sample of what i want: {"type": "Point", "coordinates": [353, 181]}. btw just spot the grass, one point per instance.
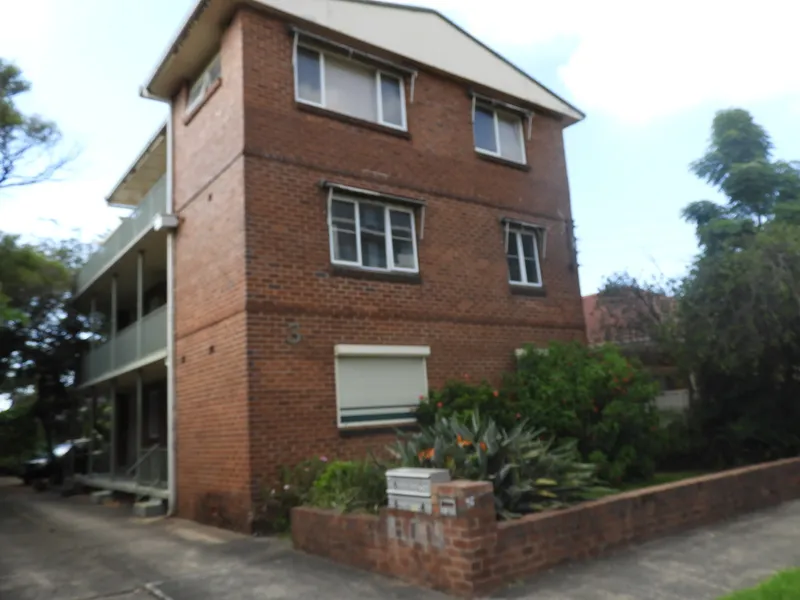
{"type": "Point", "coordinates": [783, 586]}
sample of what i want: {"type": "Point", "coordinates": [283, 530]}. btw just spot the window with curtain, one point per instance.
{"type": "Point", "coordinates": [372, 235]}
{"type": "Point", "coordinates": [522, 253]}
{"type": "Point", "coordinates": [349, 87]}
{"type": "Point", "coordinates": [202, 84]}
{"type": "Point", "coordinates": [499, 133]}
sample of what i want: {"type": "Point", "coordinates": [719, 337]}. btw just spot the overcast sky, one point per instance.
{"type": "Point", "coordinates": [649, 76]}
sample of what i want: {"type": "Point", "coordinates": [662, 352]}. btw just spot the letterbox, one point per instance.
{"type": "Point", "coordinates": [411, 489]}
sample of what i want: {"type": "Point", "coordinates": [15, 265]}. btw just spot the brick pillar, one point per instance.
{"type": "Point", "coordinates": [469, 537]}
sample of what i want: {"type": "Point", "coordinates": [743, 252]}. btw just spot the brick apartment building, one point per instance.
{"type": "Point", "coordinates": [350, 202]}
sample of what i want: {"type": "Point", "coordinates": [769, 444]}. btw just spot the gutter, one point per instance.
{"type": "Point", "coordinates": [171, 449]}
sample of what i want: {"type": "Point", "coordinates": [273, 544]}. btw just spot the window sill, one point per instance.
{"type": "Point", "coordinates": [376, 429]}
{"type": "Point", "coordinates": [187, 118]}
{"type": "Point", "coordinates": [324, 112]}
{"type": "Point", "coordinates": [503, 161]}
{"type": "Point", "coordinates": [388, 276]}
{"type": "Point", "coordinates": [528, 290]}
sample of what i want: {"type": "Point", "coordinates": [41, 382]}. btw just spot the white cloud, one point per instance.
{"type": "Point", "coordinates": [637, 60]}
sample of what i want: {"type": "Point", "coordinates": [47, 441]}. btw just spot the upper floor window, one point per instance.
{"type": "Point", "coordinates": [499, 133]}
{"type": "Point", "coordinates": [200, 87]}
{"type": "Point", "coordinates": [522, 253]}
{"type": "Point", "coordinates": [350, 87]}
{"type": "Point", "coordinates": [372, 235]}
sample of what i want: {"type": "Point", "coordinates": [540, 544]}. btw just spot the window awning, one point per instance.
{"type": "Point", "coordinates": [540, 231]}
{"type": "Point", "coordinates": [347, 189]}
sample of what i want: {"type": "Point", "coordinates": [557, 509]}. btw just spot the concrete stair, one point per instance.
{"type": "Point", "coordinates": [147, 509]}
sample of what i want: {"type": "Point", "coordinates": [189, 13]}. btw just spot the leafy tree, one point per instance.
{"type": "Point", "coordinates": [42, 334]}
{"type": "Point", "coordinates": [739, 164]}
{"type": "Point", "coordinates": [739, 309]}
{"type": "Point", "coordinates": [29, 144]}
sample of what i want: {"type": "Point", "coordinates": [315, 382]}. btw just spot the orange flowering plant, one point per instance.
{"type": "Point", "coordinates": [529, 471]}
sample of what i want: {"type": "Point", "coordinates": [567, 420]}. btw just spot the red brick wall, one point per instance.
{"type": "Point", "coordinates": [474, 554]}
{"type": "Point", "coordinates": [463, 308]}
{"type": "Point", "coordinates": [252, 257]}
{"type": "Point", "coordinates": [212, 432]}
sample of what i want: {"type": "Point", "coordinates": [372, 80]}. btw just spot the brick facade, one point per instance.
{"type": "Point", "coordinates": [253, 259]}
{"type": "Point", "coordinates": [473, 554]}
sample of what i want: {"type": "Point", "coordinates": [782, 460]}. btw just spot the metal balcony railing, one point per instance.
{"type": "Point", "coordinates": [151, 468]}
{"type": "Point", "coordinates": [135, 342]}
{"type": "Point", "coordinates": [154, 203]}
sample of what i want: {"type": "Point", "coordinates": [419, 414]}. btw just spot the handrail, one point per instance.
{"type": "Point", "coordinates": [142, 458]}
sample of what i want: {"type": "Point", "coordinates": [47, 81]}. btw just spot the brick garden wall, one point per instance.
{"type": "Point", "coordinates": [474, 554]}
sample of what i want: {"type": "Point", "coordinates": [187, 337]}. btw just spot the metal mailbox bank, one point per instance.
{"type": "Point", "coordinates": [411, 489]}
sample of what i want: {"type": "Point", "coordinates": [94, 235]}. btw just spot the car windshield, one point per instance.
{"type": "Point", "coordinates": [61, 449]}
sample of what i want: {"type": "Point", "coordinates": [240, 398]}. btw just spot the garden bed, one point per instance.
{"type": "Point", "coordinates": [473, 553]}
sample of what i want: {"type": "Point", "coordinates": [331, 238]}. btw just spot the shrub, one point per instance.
{"type": "Point", "coordinates": [596, 396]}
{"type": "Point", "coordinates": [295, 488]}
{"type": "Point", "coordinates": [461, 397]}
{"type": "Point", "coordinates": [528, 471]}
{"type": "Point", "coordinates": [348, 486]}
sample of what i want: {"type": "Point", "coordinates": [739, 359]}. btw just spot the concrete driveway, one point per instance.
{"type": "Point", "coordinates": [67, 549]}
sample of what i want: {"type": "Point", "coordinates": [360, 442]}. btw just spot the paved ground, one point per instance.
{"type": "Point", "coordinates": [67, 549]}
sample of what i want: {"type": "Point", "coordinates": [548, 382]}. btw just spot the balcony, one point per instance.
{"type": "Point", "coordinates": [140, 343]}
{"type": "Point", "coordinates": [131, 230]}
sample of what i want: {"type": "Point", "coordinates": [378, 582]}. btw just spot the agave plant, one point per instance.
{"type": "Point", "coordinates": [528, 471]}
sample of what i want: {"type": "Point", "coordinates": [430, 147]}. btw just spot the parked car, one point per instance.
{"type": "Point", "coordinates": [72, 454]}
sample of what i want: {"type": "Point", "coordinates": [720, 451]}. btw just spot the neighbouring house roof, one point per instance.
{"type": "Point", "coordinates": [422, 35]}
{"type": "Point", "coordinates": [605, 323]}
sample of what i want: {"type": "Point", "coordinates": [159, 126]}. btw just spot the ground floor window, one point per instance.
{"type": "Point", "coordinates": [379, 385]}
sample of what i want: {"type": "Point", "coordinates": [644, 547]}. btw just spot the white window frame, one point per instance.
{"type": "Point", "coordinates": [387, 208]}
{"type": "Point", "coordinates": [355, 351]}
{"type": "Point", "coordinates": [499, 152]}
{"type": "Point", "coordinates": [205, 83]}
{"type": "Point", "coordinates": [379, 74]}
{"type": "Point", "coordinates": [517, 234]}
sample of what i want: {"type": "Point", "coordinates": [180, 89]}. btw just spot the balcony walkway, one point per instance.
{"type": "Point", "coordinates": [139, 344]}
{"type": "Point", "coordinates": [151, 213]}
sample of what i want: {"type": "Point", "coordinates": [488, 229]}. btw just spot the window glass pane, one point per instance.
{"type": "Point", "coordinates": [373, 250]}
{"type": "Point", "coordinates": [344, 245]}
{"type": "Point", "coordinates": [510, 129]}
{"type": "Point", "coordinates": [403, 253]}
{"type": "Point", "coordinates": [214, 70]}
{"type": "Point", "coordinates": [484, 130]}
{"type": "Point", "coordinates": [531, 271]}
{"type": "Point", "coordinates": [513, 269]}
{"type": "Point", "coordinates": [309, 83]}
{"type": "Point", "coordinates": [527, 245]}
{"type": "Point", "coordinates": [401, 224]}
{"type": "Point", "coordinates": [372, 218]}
{"type": "Point", "coordinates": [350, 88]}
{"type": "Point", "coordinates": [512, 244]}
{"type": "Point", "coordinates": [392, 100]}
{"type": "Point", "coordinates": [343, 211]}
{"type": "Point", "coordinates": [373, 235]}
{"type": "Point", "coordinates": [196, 91]}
